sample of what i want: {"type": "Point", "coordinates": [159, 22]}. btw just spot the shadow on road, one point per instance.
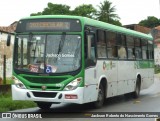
{"type": "Point", "coordinates": [88, 107]}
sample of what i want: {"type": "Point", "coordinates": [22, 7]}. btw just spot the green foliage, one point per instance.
{"type": "Point", "coordinates": [107, 13]}
{"type": "Point", "coordinates": [54, 9]}
{"type": "Point", "coordinates": [157, 69]}
{"type": "Point", "coordinates": [116, 22]}
{"type": "Point", "coordinates": [36, 14]}
{"type": "Point", "coordinates": [84, 10]}
{"type": "Point", "coordinates": [150, 22]}
{"type": "Point", "coordinates": [7, 104]}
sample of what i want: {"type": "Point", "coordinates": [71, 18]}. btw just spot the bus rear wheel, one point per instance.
{"type": "Point", "coordinates": [136, 93]}
{"type": "Point", "coordinates": [44, 105]}
{"type": "Point", "coordinates": [100, 99]}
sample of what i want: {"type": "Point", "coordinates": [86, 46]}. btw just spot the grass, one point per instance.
{"type": "Point", "coordinates": [157, 69]}
{"type": "Point", "coordinates": [7, 104]}
{"type": "Point", "coordinates": [8, 80]}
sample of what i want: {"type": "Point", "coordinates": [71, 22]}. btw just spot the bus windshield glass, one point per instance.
{"type": "Point", "coordinates": [47, 53]}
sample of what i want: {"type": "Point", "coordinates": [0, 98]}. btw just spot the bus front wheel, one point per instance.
{"type": "Point", "coordinates": [44, 105]}
{"type": "Point", "coordinates": [100, 99]}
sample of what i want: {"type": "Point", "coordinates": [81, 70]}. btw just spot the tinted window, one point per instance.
{"type": "Point", "coordinates": [111, 44]}
{"type": "Point", "coordinates": [130, 47]}
{"type": "Point", "coordinates": [121, 43]}
{"type": "Point", "coordinates": [144, 49]}
{"type": "Point", "coordinates": [101, 44]}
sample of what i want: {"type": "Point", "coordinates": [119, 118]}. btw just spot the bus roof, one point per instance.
{"type": "Point", "coordinates": [96, 23]}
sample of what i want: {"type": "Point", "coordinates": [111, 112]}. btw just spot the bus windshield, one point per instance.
{"type": "Point", "coordinates": [47, 53]}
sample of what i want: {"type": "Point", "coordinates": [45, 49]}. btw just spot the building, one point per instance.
{"type": "Point", "coordinates": [156, 35]}
{"type": "Point", "coordinates": [138, 28]}
{"type": "Point", "coordinates": [7, 51]}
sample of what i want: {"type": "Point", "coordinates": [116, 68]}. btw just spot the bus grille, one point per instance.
{"type": "Point", "coordinates": [45, 94]}
{"type": "Point", "coordinates": [48, 87]}
{"type": "Point", "coordinates": [44, 80]}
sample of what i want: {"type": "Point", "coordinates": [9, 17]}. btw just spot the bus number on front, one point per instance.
{"type": "Point", "coordinates": [59, 85]}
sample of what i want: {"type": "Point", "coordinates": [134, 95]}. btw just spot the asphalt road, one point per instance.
{"type": "Point", "coordinates": [149, 101]}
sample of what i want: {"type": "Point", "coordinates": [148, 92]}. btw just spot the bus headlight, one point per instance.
{"type": "Point", "coordinates": [18, 83]}
{"type": "Point", "coordinates": [73, 85]}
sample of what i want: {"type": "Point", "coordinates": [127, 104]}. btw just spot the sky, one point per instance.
{"type": "Point", "coordinates": [129, 11]}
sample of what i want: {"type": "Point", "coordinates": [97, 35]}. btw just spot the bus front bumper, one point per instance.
{"type": "Point", "coordinates": [74, 96]}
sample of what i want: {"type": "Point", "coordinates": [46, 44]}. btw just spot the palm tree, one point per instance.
{"type": "Point", "coordinates": [107, 12]}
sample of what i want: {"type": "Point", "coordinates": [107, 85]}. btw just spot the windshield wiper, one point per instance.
{"type": "Point", "coordinates": [61, 43]}
{"type": "Point", "coordinates": [29, 47]}
{"type": "Point", "coordinates": [77, 51]}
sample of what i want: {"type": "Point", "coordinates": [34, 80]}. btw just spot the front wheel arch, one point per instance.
{"type": "Point", "coordinates": [102, 91]}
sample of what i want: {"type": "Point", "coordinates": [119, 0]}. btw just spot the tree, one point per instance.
{"type": "Point", "coordinates": [54, 9]}
{"type": "Point", "coordinates": [150, 22]}
{"type": "Point", "coordinates": [116, 22]}
{"type": "Point", "coordinates": [107, 12]}
{"type": "Point", "coordinates": [85, 10]}
{"type": "Point", "coordinates": [36, 14]}
{"type": "Point", "coordinates": [59, 9]}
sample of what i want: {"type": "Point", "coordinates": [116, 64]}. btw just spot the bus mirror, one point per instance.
{"type": "Point", "coordinates": [8, 39]}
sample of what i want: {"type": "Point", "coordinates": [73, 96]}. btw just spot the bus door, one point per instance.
{"type": "Point", "coordinates": [90, 68]}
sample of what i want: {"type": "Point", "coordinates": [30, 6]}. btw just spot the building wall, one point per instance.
{"type": "Point", "coordinates": [157, 56]}
{"type": "Point", "coordinates": [8, 51]}
{"type": "Point", "coordinates": [138, 28]}
{"type": "Point", "coordinates": [156, 35]}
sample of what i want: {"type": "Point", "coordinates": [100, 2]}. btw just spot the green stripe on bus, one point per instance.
{"type": "Point", "coordinates": [144, 64]}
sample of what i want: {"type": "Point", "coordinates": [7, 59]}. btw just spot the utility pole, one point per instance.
{"type": "Point", "coordinates": [159, 5]}
{"type": "Point", "coordinates": [4, 69]}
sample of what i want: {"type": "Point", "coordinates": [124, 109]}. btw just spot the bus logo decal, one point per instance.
{"type": "Point", "coordinates": [104, 65]}
{"type": "Point", "coordinates": [44, 87]}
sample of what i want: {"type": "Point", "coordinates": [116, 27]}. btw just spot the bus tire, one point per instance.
{"type": "Point", "coordinates": [136, 93]}
{"type": "Point", "coordinates": [100, 99]}
{"type": "Point", "coordinates": [44, 105]}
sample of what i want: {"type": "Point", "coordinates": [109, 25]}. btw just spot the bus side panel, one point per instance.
{"type": "Point", "coordinates": [147, 77]}
{"type": "Point", "coordinates": [146, 71]}
{"type": "Point", "coordinates": [126, 77]}
{"type": "Point", "coordinates": [93, 77]}
{"type": "Point", "coordinates": [109, 69]}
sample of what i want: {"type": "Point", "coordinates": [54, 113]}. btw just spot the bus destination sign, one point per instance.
{"type": "Point", "coordinates": [48, 26]}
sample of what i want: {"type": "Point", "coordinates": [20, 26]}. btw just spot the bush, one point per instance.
{"type": "Point", "coordinates": [157, 69]}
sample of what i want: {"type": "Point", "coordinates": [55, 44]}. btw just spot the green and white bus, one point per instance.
{"type": "Point", "coordinates": [73, 59]}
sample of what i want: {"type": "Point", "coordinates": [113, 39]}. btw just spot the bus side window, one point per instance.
{"type": "Point", "coordinates": [144, 49]}
{"type": "Point", "coordinates": [121, 43]}
{"type": "Point", "coordinates": [122, 52]}
{"type": "Point", "coordinates": [90, 55]}
{"type": "Point", "coordinates": [130, 47]}
{"type": "Point", "coordinates": [150, 50]}
{"type": "Point", "coordinates": [138, 50]}
{"type": "Point", "coordinates": [101, 44]}
{"type": "Point", "coordinates": [111, 44]}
